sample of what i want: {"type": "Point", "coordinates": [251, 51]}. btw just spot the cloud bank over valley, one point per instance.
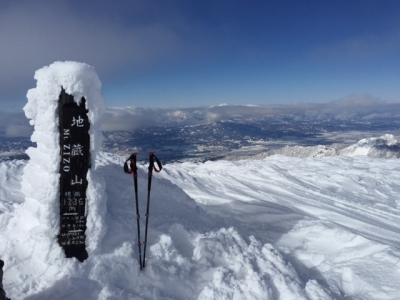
{"type": "Point", "coordinates": [356, 108]}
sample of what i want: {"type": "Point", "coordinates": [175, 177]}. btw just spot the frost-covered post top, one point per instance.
{"type": "Point", "coordinates": [77, 79]}
{"type": "Point", "coordinates": [65, 108]}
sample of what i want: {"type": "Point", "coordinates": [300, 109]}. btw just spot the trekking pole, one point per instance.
{"type": "Point", "coordinates": [133, 169]}
{"type": "Point", "coordinates": [151, 167]}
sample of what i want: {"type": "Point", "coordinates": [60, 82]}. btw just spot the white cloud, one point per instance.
{"type": "Point", "coordinates": [352, 107]}
{"type": "Point", "coordinates": [18, 130]}
{"type": "Point", "coordinates": [358, 48]}
{"type": "Point", "coordinates": [36, 33]}
{"type": "Point", "coordinates": [14, 125]}
{"type": "Point", "coordinates": [362, 107]}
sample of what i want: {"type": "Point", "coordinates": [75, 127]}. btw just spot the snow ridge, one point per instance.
{"type": "Point", "coordinates": [385, 146]}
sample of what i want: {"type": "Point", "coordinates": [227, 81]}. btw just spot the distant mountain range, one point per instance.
{"type": "Point", "coordinates": [236, 132]}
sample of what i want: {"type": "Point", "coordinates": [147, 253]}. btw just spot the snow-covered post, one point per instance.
{"type": "Point", "coordinates": [65, 108]}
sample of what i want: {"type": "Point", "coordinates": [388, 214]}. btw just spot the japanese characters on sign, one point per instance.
{"type": "Point", "coordinates": [74, 165]}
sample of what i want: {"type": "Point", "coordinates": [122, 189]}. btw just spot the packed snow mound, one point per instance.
{"type": "Point", "coordinates": [385, 146]}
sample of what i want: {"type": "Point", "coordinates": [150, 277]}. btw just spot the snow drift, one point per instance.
{"type": "Point", "coordinates": [278, 228]}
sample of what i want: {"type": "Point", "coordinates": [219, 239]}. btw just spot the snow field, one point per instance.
{"type": "Point", "coordinates": [271, 244]}
{"type": "Point", "coordinates": [346, 236]}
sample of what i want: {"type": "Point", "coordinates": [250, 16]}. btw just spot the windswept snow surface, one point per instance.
{"type": "Point", "coordinates": [278, 228]}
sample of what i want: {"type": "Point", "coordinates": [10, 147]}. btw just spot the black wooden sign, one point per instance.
{"type": "Point", "coordinates": [74, 165]}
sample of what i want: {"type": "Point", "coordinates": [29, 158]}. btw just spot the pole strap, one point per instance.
{"type": "Point", "coordinates": [132, 168]}
{"type": "Point", "coordinates": [152, 166]}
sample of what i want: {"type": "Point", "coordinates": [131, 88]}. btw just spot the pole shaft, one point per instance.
{"type": "Point", "coordinates": [150, 174]}
{"type": "Point", "coordinates": [134, 169]}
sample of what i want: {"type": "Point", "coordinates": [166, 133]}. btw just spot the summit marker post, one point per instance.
{"type": "Point", "coordinates": [74, 165]}
{"type": "Point", "coordinates": [61, 181]}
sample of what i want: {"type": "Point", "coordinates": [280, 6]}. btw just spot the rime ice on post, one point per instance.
{"type": "Point", "coordinates": [65, 108]}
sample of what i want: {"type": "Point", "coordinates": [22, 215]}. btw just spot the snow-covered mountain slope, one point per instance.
{"type": "Point", "coordinates": [278, 228]}
{"type": "Point", "coordinates": [385, 146]}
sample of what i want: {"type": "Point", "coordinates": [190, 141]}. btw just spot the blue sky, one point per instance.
{"type": "Point", "coordinates": [166, 53]}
